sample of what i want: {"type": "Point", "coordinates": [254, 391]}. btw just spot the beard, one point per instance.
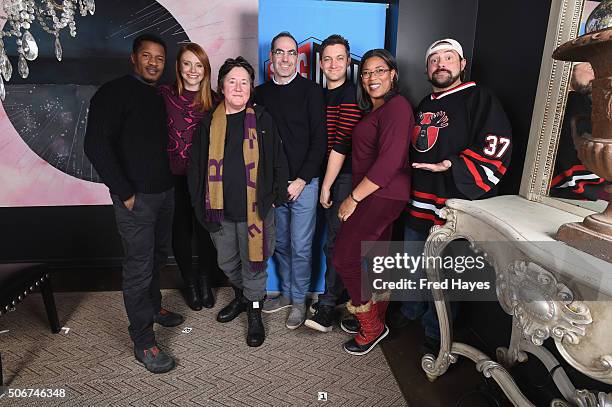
{"type": "Point", "coordinates": [584, 89]}
{"type": "Point", "coordinates": [444, 83]}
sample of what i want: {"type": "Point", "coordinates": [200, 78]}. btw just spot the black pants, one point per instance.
{"type": "Point", "coordinates": [183, 227]}
{"type": "Point", "coordinates": [145, 234]}
{"type": "Point", "coordinates": [341, 188]}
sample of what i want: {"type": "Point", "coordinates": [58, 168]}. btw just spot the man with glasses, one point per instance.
{"type": "Point", "coordinates": [461, 148]}
{"type": "Point", "coordinates": [342, 116]}
{"type": "Point", "coordinates": [297, 106]}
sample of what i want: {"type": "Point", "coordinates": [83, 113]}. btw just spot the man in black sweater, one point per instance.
{"type": "Point", "coordinates": [126, 143]}
{"type": "Point", "coordinates": [298, 107]}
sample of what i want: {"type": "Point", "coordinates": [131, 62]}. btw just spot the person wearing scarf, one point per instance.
{"type": "Point", "coordinates": [237, 172]}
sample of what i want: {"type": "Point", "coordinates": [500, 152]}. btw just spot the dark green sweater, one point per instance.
{"type": "Point", "coordinates": [127, 136]}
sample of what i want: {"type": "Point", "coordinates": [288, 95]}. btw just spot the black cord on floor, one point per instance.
{"type": "Point", "coordinates": [551, 372]}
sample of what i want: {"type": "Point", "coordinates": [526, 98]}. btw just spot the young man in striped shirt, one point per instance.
{"type": "Point", "coordinates": [342, 116]}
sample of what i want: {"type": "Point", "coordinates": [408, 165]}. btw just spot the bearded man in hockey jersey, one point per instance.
{"type": "Point", "coordinates": [461, 148]}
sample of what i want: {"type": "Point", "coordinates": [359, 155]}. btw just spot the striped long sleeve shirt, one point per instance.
{"type": "Point", "coordinates": [342, 116]}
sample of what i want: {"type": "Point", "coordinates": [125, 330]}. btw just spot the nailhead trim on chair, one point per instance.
{"type": "Point", "coordinates": [20, 298]}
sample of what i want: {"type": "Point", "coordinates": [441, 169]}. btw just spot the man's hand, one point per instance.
{"type": "Point", "coordinates": [439, 167]}
{"type": "Point", "coordinates": [129, 204]}
{"type": "Point", "coordinates": [346, 209]}
{"type": "Point", "coordinates": [295, 189]}
{"type": "Point", "coordinates": [325, 197]}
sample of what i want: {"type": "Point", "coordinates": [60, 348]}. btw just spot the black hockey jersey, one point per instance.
{"type": "Point", "coordinates": [468, 126]}
{"type": "Point", "coordinates": [571, 179]}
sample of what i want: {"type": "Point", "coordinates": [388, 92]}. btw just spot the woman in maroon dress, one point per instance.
{"type": "Point", "coordinates": [187, 101]}
{"type": "Point", "coordinates": [381, 187]}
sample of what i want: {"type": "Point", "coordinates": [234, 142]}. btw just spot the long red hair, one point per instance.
{"type": "Point", "coordinates": [203, 100]}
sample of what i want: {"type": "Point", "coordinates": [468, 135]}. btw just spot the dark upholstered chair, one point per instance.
{"type": "Point", "coordinates": [17, 280]}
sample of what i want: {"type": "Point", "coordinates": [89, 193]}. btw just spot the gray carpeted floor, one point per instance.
{"type": "Point", "coordinates": [94, 362]}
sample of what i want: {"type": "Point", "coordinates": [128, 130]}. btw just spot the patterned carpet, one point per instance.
{"type": "Point", "coordinates": [94, 362]}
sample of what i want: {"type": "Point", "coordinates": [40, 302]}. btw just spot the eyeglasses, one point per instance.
{"type": "Point", "coordinates": [280, 53]}
{"type": "Point", "coordinates": [378, 72]}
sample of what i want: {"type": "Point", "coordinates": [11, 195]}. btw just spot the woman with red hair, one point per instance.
{"type": "Point", "coordinates": [187, 101]}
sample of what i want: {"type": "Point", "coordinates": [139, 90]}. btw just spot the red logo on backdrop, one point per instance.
{"type": "Point", "coordinates": [309, 62]}
{"type": "Point", "coordinates": [426, 132]}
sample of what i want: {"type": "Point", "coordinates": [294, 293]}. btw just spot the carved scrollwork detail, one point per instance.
{"type": "Point", "coordinates": [585, 398]}
{"type": "Point", "coordinates": [440, 235]}
{"type": "Point", "coordinates": [542, 306]}
{"type": "Point", "coordinates": [487, 367]}
{"type": "Point", "coordinates": [509, 357]}
{"type": "Point", "coordinates": [433, 369]}
{"type": "Point", "coordinates": [603, 365]}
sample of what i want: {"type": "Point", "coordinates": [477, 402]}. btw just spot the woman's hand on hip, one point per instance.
{"type": "Point", "coordinates": [347, 208]}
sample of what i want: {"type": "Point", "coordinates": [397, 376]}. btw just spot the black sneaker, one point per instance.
{"type": "Point", "coordinates": [314, 306]}
{"type": "Point", "coordinates": [167, 318]}
{"type": "Point", "coordinates": [322, 320]}
{"type": "Point", "coordinates": [350, 324]}
{"type": "Point", "coordinates": [154, 359]}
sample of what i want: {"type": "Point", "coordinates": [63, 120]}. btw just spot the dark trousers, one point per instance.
{"type": "Point", "coordinates": [342, 187]}
{"type": "Point", "coordinates": [183, 227]}
{"type": "Point", "coordinates": [371, 221]}
{"type": "Point", "coordinates": [145, 235]}
{"type": "Point", "coordinates": [423, 309]}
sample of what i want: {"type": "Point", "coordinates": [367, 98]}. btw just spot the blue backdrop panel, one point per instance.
{"type": "Point", "coordinates": [311, 21]}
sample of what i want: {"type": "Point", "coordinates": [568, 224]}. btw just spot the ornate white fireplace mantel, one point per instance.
{"type": "Point", "coordinates": [551, 290]}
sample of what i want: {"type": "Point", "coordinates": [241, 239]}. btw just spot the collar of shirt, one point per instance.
{"type": "Point", "coordinates": [286, 83]}
{"type": "Point", "coordinates": [141, 79]}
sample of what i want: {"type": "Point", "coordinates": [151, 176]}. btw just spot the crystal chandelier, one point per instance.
{"type": "Point", "coordinates": [51, 16]}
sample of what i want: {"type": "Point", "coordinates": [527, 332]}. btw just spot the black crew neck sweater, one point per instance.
{"type": "Point", "coordinates": [126, 137]}
{"type": "Point", "coordinates": [298, 108]}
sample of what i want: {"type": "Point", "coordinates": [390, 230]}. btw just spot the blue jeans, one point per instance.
{"type": "Point", "coordinates": [425, 310]}
{"type": "Point", "coordinates": [295, 227]}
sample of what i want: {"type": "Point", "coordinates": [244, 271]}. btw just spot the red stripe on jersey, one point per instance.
{"type": "Point", "coordinates": [567, 173]}
{"type": "Point", "coordinates": [431, 197]}
{"type": "Point", "coordinates": [426, 216]}
{"type": "Point", "coordinates": [580, 185]}
{"type": "Point", "coordinates": [453, 90]}
{"type": "Point", "coordinates": [498, 164]}
{"type": "Point", "coordinates": [472, 168]}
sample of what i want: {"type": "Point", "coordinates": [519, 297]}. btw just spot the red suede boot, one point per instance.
{"type": "Point", "coordinates": [371, 331]}
{"type": "Point", "coordinates": [381, 302]}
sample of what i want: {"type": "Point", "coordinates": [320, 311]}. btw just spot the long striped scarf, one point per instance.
{"type": "Point", "coordinates": [214, 179]}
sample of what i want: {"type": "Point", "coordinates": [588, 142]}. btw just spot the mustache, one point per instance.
{"type": "Point", "coordinates": [442, 70]}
